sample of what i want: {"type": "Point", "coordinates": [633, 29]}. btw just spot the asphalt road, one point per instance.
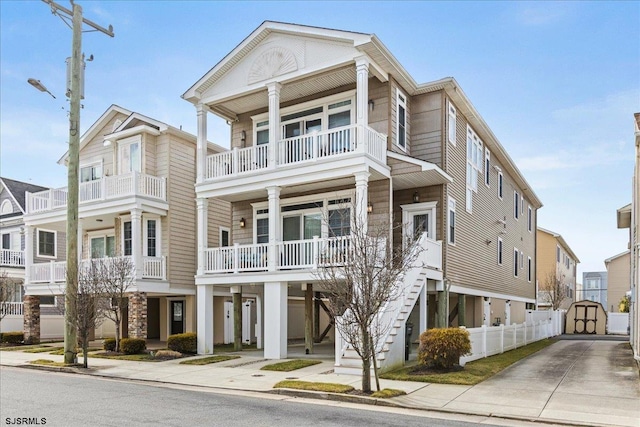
{"type": "Point", "coordinates": [40, 397]}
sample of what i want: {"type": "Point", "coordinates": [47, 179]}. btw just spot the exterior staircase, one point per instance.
{"type": "Point", "coordinates": [392, 320]}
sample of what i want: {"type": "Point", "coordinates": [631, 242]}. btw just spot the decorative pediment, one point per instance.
{"type": "Point", "coordinates": [274, 62]}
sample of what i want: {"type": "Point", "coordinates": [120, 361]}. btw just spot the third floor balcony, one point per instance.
{"type": "Point", "coordinates": [133, 184]}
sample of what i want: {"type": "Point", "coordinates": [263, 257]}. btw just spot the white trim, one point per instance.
{"type": "Point", "coordinates": [516, 208]}
{"type": "Point", "coordinates": [222, 229]}
{"type": "Point", "coordinates": [516, 260]}
{"type": "Point", "coordinates": [127, 142]}
{"type": "Point", "coordinates": [55, 243]}
{"type": "Point", "coordinates": [123, 220]}
{"type": "Point", "coordinates": [500, 185]}
{"type": "Point", "coordinates": [487, 167]}
{"type": "Point", "coordinates": [170, 314]}
{"type": "Point", "coordinates": [145, 230]}
{"type": "Point", "coordinates": [529, 218]}
{"type": "Point", "coordinates": [457, 289]}
{"type": "Point", "coordinates": [500, 251]}
{"type": "Point", "coordinates": [529, 269]}
{"type": "Point", "coordinates": [451, 207]}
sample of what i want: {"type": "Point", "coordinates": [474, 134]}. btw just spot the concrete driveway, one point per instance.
{"type": "Point", "coordinates": [594, 382]}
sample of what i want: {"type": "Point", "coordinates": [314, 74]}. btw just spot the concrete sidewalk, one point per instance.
{"type": "Point", "coordinates": [573, 382]}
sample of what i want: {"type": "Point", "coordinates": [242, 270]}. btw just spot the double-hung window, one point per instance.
{"type": "Point", "coordinates": [474, 165]}
{"type": "Point", "coordinates": [487, 167]}
{"type": "Point", "coordinates": [529, 219]}
{"type": "Point", "coordinates": [500, 246]}
{"type": "Point", "coordinates": [401, 128]}
{"type": "Point", "coordinates": [516, 205]}
{"type": "Point", "coordinates": [452, 124]}
{"type": "Point", "coordinates": [46, 243]}
{"type": "Point", "coordinates": [500, 185]}
{"type": "Point", "coordinates": [127, 236]}
{"type": "Point", "coordinates": [516, 256]}
{"type": "Point", "coordinates": [152, 237]}
{"type": "Point", "coordinates": [529, 272]}
{"type": "Point", "coordinates": [451, 229]}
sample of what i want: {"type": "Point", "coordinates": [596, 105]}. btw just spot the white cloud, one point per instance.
{"type": "Point", "coordinates": [542, 13]}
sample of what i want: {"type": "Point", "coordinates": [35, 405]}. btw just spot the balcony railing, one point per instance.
{"type": "Point", "coordinates": [11, 258]}
{"type": "Point", "coordinates": [306, 148]}
{"type": "Point", "coordinates": [107, 188]}
{"type": "Point", "coordinates": [299, 254]}
{"type": "Point", "coordinates": [55, 271]}
{"type": "Point", "coordinates": [11, 308]}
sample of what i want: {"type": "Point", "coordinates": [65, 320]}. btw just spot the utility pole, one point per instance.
{"type": "Point", "coordinates": [71, 289]}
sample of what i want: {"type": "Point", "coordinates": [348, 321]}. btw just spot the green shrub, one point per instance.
{"type": "Point", "coordinates": [132, 345]}
{"type": "Point", "coordinates": [441, 348]}
{"type": "Point", "coordinates": [109, 344]}
{"type": "Point", "coordinates": [12, 337]}
{"type": "Point", "coordinates": [184, 343]}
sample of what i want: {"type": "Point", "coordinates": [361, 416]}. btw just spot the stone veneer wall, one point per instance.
{"type": "Point", "coordinates": [31, 319]}
{"type": "Point", "coordinates": [138, 315]}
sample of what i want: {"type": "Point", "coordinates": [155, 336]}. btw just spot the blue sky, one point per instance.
{"type": "Point", "coordinates": [558, 83]}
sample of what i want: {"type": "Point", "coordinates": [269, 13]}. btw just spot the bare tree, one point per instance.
{"type": "Point", "coordinates": [554, 290]}
{"type": "Point", "coordinates": [7, 293]}
{"type": "Point", "coordinates": [116, 275]}
{"type": "Point", "coordinates": [87, 307]}
{"type": "Point", "coordinates": [362, 274]}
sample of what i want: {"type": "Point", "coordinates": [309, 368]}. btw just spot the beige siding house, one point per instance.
{"type": "Point", "coordinates": [557, 267]}
{"type": "Point", "coordinates": [327, 123]}
{"type": "Point", "coordinates": [618, 279]}
{"type": "Point", "coordinates": [137, 201]}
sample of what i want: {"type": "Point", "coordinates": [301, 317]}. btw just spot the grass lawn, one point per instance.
{"type": "Point", "coordinates": [19, 347]}
{"type": "Point", "coordinates": [48, 362]}
{"type": "Point", "coordinates": [143, 357]}
{"type": "Point", "coordinates": [386, 393]}
{"type": "Point", "coordinates": [473, 372]}
{"type": "Point", "coordinates": [227, 348]}
{"type": "Point", "coordinates": [307, 385]}
{"type": "Point", "coordinates": [208, 360]}
{"type": "Point", "coordinates": [43, 349]}
{"type": "Point", "coordinates": [290, 365]}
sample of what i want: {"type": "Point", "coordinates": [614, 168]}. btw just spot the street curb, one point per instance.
{"type": "Point", "coordinates": [317, 395]}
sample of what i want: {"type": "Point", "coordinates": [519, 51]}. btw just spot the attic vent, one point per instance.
{"type": "Point", "coordinates": [273, 62]}
{"type": "Point", "coordinates": [116, 125]}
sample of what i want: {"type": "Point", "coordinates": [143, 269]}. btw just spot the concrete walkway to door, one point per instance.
{"type": "Point", "coordinates": [584, 381]}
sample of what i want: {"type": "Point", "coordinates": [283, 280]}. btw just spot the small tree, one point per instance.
{"type": "Point", "coordinates": [116, 275]}
{"type": "Point", "coordinates": [554, 290]}
{"type": "Point", "coordinates": [361, 273]}
{"type": "Point", "coordinates": [625, 304]}
{"type": "Point", "coordinates": [88, 314]}
{"type": "Point", "coordinates": [7, 293]}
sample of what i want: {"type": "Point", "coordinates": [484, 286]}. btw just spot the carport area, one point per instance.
{"type": "Point", "coordinates": [592, 381]}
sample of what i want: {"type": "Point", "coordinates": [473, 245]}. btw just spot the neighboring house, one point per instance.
{"type": "Point", "coordinates": [594, 287]}
{"type": "Point", "coordinates": [556, 267]}
{"type": "Point", "coordinates": [629, 217]}
{"type": "Point", "coordinates": [12, 255]}
{"type": "Point", "coordinates": [618, 279]}
{"type": "Point", "coordinates": [136, 200]}
{"type": "Point", "coordinates": [328, 125]}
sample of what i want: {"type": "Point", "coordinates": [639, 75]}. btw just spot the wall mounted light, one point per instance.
{"type": "Point", "coordinates": [416, 197]}
{"type": "Point", "coordinates": [369, 208]}
{"type": "Point", "coordinates": [106, 143]}
{"type": "Point", "coordinates": [372, 104]}
{"type": "Point", "coordinates": [242, 223]}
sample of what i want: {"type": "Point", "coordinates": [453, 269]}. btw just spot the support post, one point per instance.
{"type": "Point", "coordinates": [362, 98]}
{"type": "Point", "coordinates": [201, 144]}
{"type": "Point", "coordinates": [424, 309]}
{"type": "Point", "coordinates": [316, 316]}
{"type": "Point", "coordinates": [259, 331]}
{"type": "Point", "coordinates": [462, 310]}
{"type": "Point", "coordinates": [136, 242]}
{"type": "Point", "coordinates": [275, 320]}
{"type": "Point", "coordinates": [442, 309]}
{"type": "Point", "coordinates": [274, 227]}
{"type": "Point", "coordinates": [274, 122]}
{"type": "Point", "coordinates": [202, 232]}
{"type": "Point", "coordinates": [204, 300]}
{"type": "Point", "coordinates": [308, 318]}
{"type": "Point", "coordinates": [362, 182]}
{"type": "Point", "coordinates": [236, 291]}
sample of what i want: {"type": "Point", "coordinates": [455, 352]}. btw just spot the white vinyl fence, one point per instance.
{"type": "Point", "coordinates": [488, 341]}
{"type": "Point", "coordinates": [618, 323]}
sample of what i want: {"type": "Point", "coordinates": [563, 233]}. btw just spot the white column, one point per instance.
{"type": "Point", "coordinates": [424, 309]}
{"type": "Point", "coordinates": [362, 180]}
{"type": "Point", "coordinates": [259, 330]}
{"type": "Point", "coordinates": [507, 313]}
{"type": "Point", "coordinates": [275, 320]}
{"type": "Point", "coordinates": [205, 319]}
{"type": "Point", "coordinates": [362, 98]}
{"type": "Point", "coordinates": [136, 241]}
{"type": "Point", "coordinates": [28, 253]}
{"type": "Point", "coordinates": [274, 226]}
{"type": "Point", "coordinates": [201, 146]}
{"type": "Point", "coordinates": [486, 311]}
{"type": "Point", "coordinates": [202, 232]}
{"type": "Point", "coordinates": [274, 121]}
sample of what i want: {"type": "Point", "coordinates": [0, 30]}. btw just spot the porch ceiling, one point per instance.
{"type": "Point", "coordinates": [419, 179]}
{"type": "Point", "coordinates": [296, 89]}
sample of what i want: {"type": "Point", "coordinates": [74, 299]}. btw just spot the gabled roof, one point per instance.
{"type": "Point", "coordinates": [383, 65]}
{"type": "Point", "coordinates": [562, 242]}
{"type": "Point", "coordinates": [608, 260]}
{"type": "Point", "coordinates": [17, 191]}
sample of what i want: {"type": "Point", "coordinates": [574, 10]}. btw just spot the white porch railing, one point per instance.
{"type": "Point", "coordinates": [109, 187]}
{"type": "Point", "coordinates": [11, 258]}
{"type": "Point", "coordinates": [298, 254]}
{"type": "Point", "coordinates": [55, 271]}
{"type": "Point", "coordinates": [309, 147]}
{"type": "Point", "coordinates": [11, 308]}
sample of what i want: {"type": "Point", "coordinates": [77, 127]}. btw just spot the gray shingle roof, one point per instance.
{"type": "Point", "coordinates": [18, 189]}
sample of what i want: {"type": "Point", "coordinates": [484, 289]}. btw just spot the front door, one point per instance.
{"type": "Point", "coordinates": [177, 317]}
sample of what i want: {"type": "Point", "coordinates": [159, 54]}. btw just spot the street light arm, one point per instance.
{"type": "Point", "coordinates": [38, 85]}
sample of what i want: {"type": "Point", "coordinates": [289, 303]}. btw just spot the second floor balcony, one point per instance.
{"type": "Point", "coordinates": [11, 258]}
{"type": "Point", "coordinates": [56, 271]}
{"type": "Point", "coordinates": [318, 146]}
{"type": "Point", "coordinates": [133, 184]}
{"type": "Point", "coordinates": [306, 254]}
